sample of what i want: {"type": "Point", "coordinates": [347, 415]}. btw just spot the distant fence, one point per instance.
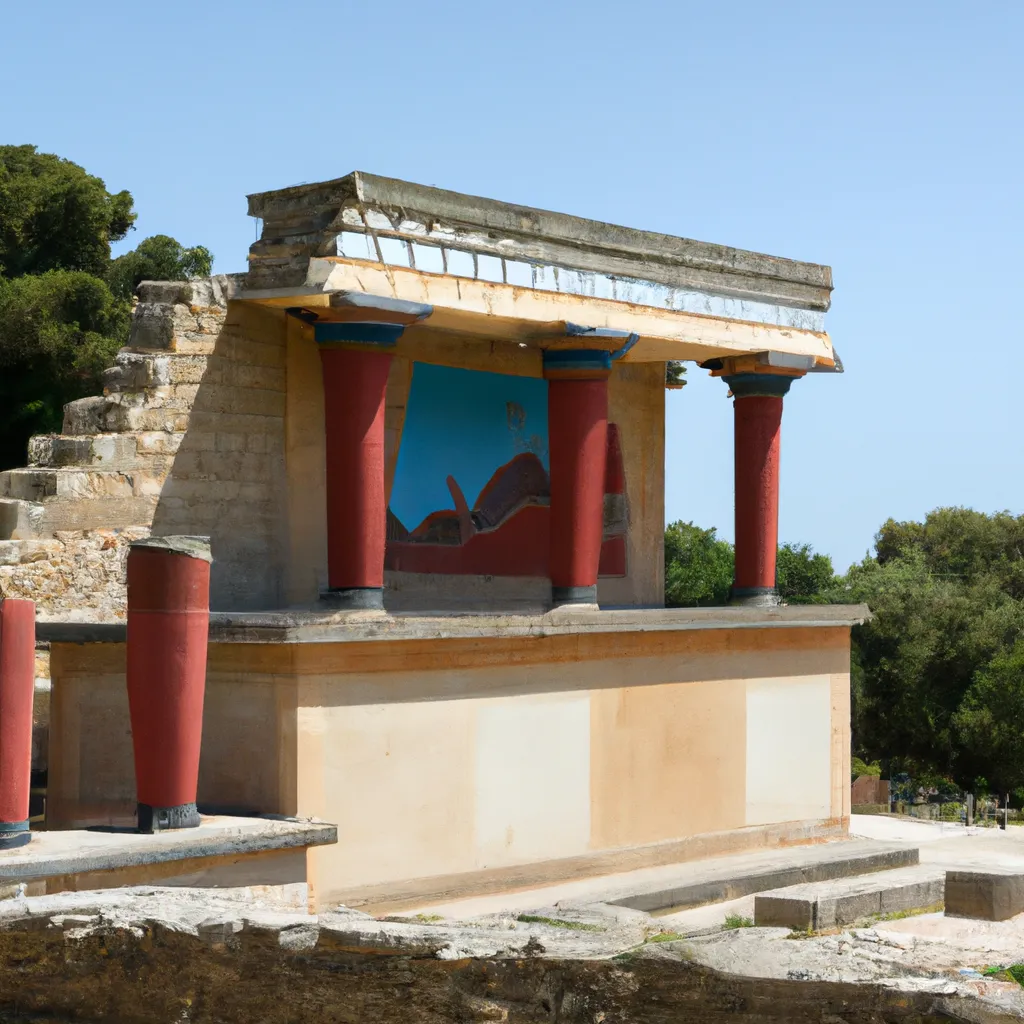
{"type": "Point", "coordinates": [871, 795]}
{"type": "Point", "coordinates": [868, 789]}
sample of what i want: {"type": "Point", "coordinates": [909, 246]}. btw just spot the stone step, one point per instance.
{"type": "Point", "coordinates": [729, 878]}
{"type": "Point", "coordinates": [39, 483]}
{"type": "Point", "coordinates": [152, 451]}
{"type": "Point", "coordinates": [128, 412]}
{"type": "Point", "coordinates": [134, 371]}
{"type": "Point", "coordinates": [29, 520]}
{"type": "Point", "coordinates": [177, 316]}
{"type": "Point", "coordinates": [840, 902]}
{"type": "Point", "coordinates": [19, 520]}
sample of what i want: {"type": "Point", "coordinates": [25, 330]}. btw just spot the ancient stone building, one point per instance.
{"type": "Point", "coordinates": [425, 434]}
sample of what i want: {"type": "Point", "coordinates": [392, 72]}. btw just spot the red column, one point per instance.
{"type": "Point", "coordinates": [354, 387]}
{"type": "Point", "coordinates": [577, 445]}
{"type": "Point", "coordinates": [17, 687]}
{"type": "Point", "coordinates": [168, 624]}
{"type": "Point", "coordinates": [758, 431]}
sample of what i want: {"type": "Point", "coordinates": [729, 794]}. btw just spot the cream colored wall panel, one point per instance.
{"type": "Point", "coordinates": [398, 781]}
{"type": "Point", "coordinates": [789, 748]}
{"type": "Point", "coordinates": [667, 761]}
{"type": "Point", "coordinates": [532, 778]}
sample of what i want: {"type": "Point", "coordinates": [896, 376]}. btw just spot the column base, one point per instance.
{"type": "Point", "coordinates": [755, 597]}
{"type": "Point", "coordinates": [354, 599]}
{"type": "Point", "coordinates": [164, 819]}
{"type": "Point", "coordinates": [573, 595]}
{"type": "Point", "coordinates": [14, 834]}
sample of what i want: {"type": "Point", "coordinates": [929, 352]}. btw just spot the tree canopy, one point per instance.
{"type": "Point", "coordinates": [56, 216]}
{"type": "Point", "coordinates": [938, 673]}
{"type": "Point", "coordinates": [65, 305]}
{"type": "Point", "coordinates": [699, 569]}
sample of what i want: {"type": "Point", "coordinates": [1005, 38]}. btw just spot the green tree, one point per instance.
{"type": "Point", "coordinates": [990, 719]}
{"type": "Point", "coordinates": [56, 216]}
{"type": "Point", "coordinates": [58, 332]}
{"type": "Point", "coordinates": [64, 304]}
{"type": "Point", "coordinates": [946, 604]}
{"type": "Point", "coordinates": [698, 566]}
{"type": "Point", "coordinates": [158, 258]}
{"type": "Point", "coordinates": [803, 577]}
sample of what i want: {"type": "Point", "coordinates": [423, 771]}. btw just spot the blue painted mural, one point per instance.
{"type": "Point", "coordinates": [463, 424]}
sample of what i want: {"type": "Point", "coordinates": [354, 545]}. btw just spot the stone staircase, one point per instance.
{"type": "Point", "coordinates": [64, 513]}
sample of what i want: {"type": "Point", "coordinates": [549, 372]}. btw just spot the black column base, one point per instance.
{"type": "Point", "coordinates": [354, 599]}
{"type": "Point", "coordinates": [165, 819]}
{"type": "Point", "coordinates": [14, 834]}
{"type": "Point", "coordinates": [755, 597]}
{"type": "Point", "coordinates": [573, 595]}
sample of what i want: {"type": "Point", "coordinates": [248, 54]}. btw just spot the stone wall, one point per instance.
{"type": "Point", "coordinates": [188, 436]}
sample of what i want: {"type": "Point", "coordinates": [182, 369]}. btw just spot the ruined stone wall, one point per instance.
{"type": "Point", "coordinates": [188, 437]}
{"type": "Point", "coordinates": [155, 956]}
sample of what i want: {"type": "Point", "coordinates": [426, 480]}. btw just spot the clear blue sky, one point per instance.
{"type": "Point", "coordinates": [884, 139]}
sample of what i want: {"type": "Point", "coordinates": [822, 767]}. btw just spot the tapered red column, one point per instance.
{"type": "Point", "coordinates": [577, 446]}
{"type": "Point", "coordinates": [355, 382]}
{"type": "Point", "coordinates": [758, 435]}
{"type": "Point", "coordinates": [17, 687]}
{"type": "Point", "coordinates": [168, 623]}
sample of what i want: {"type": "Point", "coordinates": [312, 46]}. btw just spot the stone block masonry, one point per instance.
{"type": "Point", "coordinates": [188, 436]}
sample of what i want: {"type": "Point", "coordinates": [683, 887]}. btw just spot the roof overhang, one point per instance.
{"type": "Point", "coordinates": [506, 273]}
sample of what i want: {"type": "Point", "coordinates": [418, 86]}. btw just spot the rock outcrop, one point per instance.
{"type": "Point", "coordinates": [150, 955]}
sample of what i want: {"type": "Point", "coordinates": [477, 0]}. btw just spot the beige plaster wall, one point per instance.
{"type": "Point", "coordinates": [471, 759]}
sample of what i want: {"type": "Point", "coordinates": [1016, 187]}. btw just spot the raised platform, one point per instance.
{"type": "Point", "coordinates": [316, 626]}
{"type": "Point", "coordinates": [224, 852]}
{"type": "Point", "coordinates": [732, 877]}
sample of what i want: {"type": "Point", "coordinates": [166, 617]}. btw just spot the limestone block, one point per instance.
{"type": "Point", "coordinates": [20, 520]}
{"type": "Point", "coordinates": [984, 895]}
{"type": "Point", "coordinates": [157, 442]}
{"type": "Point", "coordinates": [152, 327]}
{"type": "Point", "coordinates": [85, 415]}
{"type": "Point", "coordinates": [834, 903]}
{"type": "Point", "coordinates": [27, 484]}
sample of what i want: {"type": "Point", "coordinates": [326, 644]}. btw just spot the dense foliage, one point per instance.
{"type": "Point", "coordinates": [699, 567]}
{"type": "Point", "coordinates": [938, 672]}
{"type": "Point", "coordinates": [64, 303]}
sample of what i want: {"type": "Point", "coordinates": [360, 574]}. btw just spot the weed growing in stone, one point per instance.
{"type": "Point", "coordinates": [899, 915]}
{"type": "Point", "coordinates": [737, 921]}
{"type": "Point", "coordinates": [1015, 972]}
{"type": "Point", "coordinates": [573, 926]}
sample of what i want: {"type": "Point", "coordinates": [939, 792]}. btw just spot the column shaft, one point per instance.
{"type": "Point", "coordinates": [354, 388]}
{"type": "Point", "coordinates": [168, 627]}
{"type": "Point", "coordinates": [17, 688]}
{"type": "Point", "coordinates": [577, 443]}
{"type": "Point", "coordinates": [758, 426]}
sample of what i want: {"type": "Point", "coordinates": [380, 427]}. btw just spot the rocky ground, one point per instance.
{"type": "Point", "coordinates": [163, 955]}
